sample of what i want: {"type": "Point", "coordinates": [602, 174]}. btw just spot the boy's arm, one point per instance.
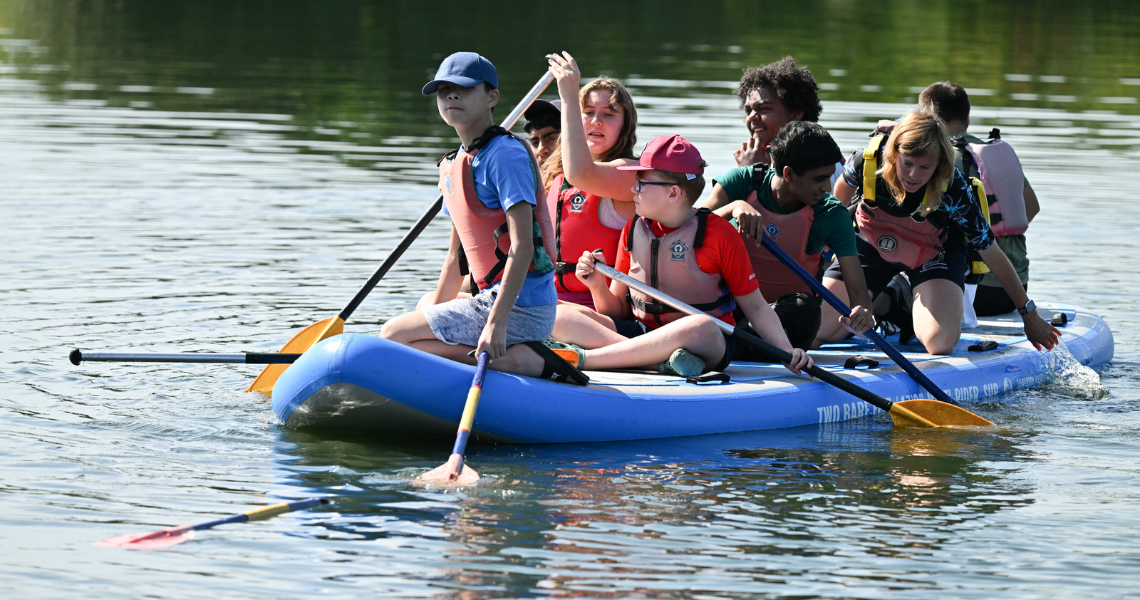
{"type": "Point", "coordinates": [520, 224]}
{"type": "Point", "coordinates": [1032, 205]}
{"type": "Point", "coordinates": [843, 192]}
{"type": "Point", "coordinates": [450, 280]}
{"type": "Point", "coordinates": [607, 301]}
{"type": "Point", "coordinates": [768, 327]}
{"type": "Point", "coordinates": [860, 319]}
{"type": "Point", "coordinates": [716, 201]}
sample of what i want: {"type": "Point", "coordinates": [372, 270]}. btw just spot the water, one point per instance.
{"type": "Point", "coordinates": [210, 176]}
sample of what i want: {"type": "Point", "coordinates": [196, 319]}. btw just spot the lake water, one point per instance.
{"type": "Point", "coordinates": [213, 176]}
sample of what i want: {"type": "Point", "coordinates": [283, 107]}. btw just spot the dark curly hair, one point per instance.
{"type": "Point", "coordinates": [794, 86]}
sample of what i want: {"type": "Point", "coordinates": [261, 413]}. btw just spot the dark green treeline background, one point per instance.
{"type": "Point", "coordinates": [364, 61]}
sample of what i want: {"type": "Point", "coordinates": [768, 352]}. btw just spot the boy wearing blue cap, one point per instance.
{"type": "Point", "coordinates": [491, 189]}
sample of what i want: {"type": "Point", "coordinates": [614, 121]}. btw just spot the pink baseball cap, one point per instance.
{"type": "Point", "coordinates": [671, 153]}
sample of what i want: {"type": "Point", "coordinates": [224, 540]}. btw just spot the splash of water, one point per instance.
{"type": "Point", "coordinates": [1066, 375]}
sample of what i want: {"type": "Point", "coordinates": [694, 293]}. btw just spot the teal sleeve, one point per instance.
{"type": "Point", "coordinates": [737, 183]}
{"type": "Point", "coordinates": [832, 228]}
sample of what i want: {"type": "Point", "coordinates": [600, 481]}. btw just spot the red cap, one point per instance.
{"type": "Point", "coordinates": [671, 153]}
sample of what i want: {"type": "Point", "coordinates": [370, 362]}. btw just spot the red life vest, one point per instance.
{"type": "Point", "coordinates": [998, 167]}
{"type": "Point", "coordinates": [901, 240]}
{"type": "Point", "coordinates": [484, 247]}
{"type": "Point", "coordinates": [669, 263]}
{"type": "Point", "coordinates": [790, 232]}
{"type": "Point", "coordinates": [577, 229]}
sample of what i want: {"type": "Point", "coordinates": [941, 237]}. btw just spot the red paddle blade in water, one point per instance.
{"type": "Point", "coordinates": [152, 540]}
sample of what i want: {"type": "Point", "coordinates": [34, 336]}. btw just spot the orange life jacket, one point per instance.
{"type": "Point", "coordinates": [484, 247]}
{"type": "Point", "coordinates": [669, 263]}
{"type": "Point", "coordinates": [790, 232]}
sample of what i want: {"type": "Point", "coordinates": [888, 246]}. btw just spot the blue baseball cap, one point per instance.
{"type": "Point", "coordinates": [465, 69]}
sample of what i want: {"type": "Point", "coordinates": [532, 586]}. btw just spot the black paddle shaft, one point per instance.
{"type": "Point", "coordinates": [404, 244]}
{"type": "Point", "coordinates": [248, 358]}
{"type": "Point", "coordinates": [769, 350]}
{"type": "Point", "coordinates": [828, 377]}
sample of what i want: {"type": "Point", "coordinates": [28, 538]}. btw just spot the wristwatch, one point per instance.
{"type": "Point", "coordinates": [1028, 308]}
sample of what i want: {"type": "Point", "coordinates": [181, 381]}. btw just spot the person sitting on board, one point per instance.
{"type": "Point", "coordinates": [589, 200]}
{"type": "Point", "coordinates": [772, 96]}
{"type": "Point", "coordinates": [791, 202]}
{"type": "Point", "coordinates": [692, 255]}
{"type": "Point", "coordinates": [1012, 201]}
{"type": "Point", "coordinates": [493, 193]}
{"type": "Point", "coordinates": [915, 215]}
{"type": "Point", "coordinates": [543, 125]}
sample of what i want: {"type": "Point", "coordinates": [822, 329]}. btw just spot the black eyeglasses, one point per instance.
{"type": "Point", "coordinates": [641, 183]}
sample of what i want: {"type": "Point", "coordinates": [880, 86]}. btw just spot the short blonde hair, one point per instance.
{"type": "Point", "coordinates": [919, 133]}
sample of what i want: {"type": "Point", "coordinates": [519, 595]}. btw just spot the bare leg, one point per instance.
{"type": "Point", "coordinates": [577, 324]}
{"type": "Point", "coordinates": [938, 315]}
{"type": "Point", "coordinates": [412, 329]}
{"type": "Point", "coordinates": [830, 329]}
{"type": "Point", "coordinates": [698, 334]}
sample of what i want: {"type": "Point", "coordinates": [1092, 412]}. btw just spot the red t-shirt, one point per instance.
{"type": "Point", "coordinates": [722, 252]}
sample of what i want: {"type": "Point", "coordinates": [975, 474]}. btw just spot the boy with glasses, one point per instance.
{"type": "Point", "coordinates": [694, 256]}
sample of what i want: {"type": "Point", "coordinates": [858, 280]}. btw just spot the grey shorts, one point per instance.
{"type": "Point", "coordinates": [461, 321]}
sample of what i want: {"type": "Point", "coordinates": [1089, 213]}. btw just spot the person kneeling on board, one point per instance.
{"type": "Point", "coordinates": [791, 201]}
{"type": "Point", "coordinates": [692, 255]}
{"type": "Point", "coordinates": [916, 215]}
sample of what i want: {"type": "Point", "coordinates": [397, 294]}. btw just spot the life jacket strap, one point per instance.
{"type": "Point", "coordinates": [653, 307]}
{"type": "Point", "coordinates": [501, 263]}
{"type": "Point", "coordinates": [871, 166]}
{"type": "Point", "coordinates": [979, 266]}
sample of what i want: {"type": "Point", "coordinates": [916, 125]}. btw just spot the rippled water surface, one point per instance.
{"type": "Point", "coordinates": [210, 176]}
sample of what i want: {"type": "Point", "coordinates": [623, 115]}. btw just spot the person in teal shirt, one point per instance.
{"type": "Point", "coordinates": [791, 202]}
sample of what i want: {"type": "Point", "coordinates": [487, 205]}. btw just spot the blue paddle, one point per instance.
{"type": "Point", "coordinates": [843, 309]}
{"type": "Point", "coordinates": [176, 535]}
{"type": "Point", "coordinates": [453, 472]}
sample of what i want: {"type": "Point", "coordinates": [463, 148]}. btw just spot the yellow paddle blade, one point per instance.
{"type": "Point", "coordinates": [301, 342]}
{"type": "Point", "coordinates": [932, 413]}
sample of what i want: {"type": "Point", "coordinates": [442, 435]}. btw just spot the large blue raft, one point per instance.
{"type": "Point", "coordinates": [362, 382]}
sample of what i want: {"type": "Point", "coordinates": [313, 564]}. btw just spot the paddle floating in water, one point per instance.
{"type": "Point", "coordinates": [249, 358]}
{"type": "Point", "coordinates": [909, 413]}
{"type": "Point", "coordinates": [176, 535]}
{"type": "Point", "coordinates": [454, 472]}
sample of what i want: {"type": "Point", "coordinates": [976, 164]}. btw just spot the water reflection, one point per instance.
{"type": "Point", "coordinates": [207, 176]}
{"type": "Point", "coordinates": [342, 81]}
{"type": "Point", "coordinates": [617, 518]}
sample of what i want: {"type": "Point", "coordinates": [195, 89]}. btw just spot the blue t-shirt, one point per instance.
{"type": "Point", "coordinates": [504, 175]}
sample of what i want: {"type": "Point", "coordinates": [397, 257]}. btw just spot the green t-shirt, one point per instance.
{"type": "Point", "coordinates": [830, 228]}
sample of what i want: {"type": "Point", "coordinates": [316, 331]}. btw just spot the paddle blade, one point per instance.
{"type": "Point", "coordinates": [152, 540]}
{"type": "Point", "coordinates": [305, 339]}
{"type": "Point", "coordinates": [932, 413]}
{"type": "Point", "coordinates": [448, 475]}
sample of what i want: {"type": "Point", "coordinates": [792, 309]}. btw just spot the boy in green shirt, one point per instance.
{"type": "Point", "coordinates": [791, 202]}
